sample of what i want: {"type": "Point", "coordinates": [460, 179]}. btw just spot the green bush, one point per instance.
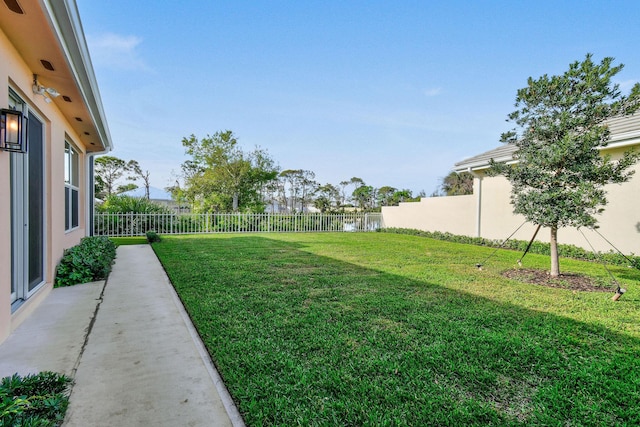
{"type": "Point", "coordinates": [129, 204]}
{"type": "Point", "coordinates": [567, 251]}
{"type": "Point", "coordinates": [34, 400]}
{"type": "Point", "coordinates": [86, 262]}
{"type": "Point", "coordinates": [152, 237]}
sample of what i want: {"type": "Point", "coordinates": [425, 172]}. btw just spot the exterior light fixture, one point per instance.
{"type": "Point", "coordinates": [38, 89]}
{"type": "Point", "coordinates": [12, 133]}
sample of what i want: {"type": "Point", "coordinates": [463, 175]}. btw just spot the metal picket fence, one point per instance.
{"type": "Point", "coordinates": [137, 224]}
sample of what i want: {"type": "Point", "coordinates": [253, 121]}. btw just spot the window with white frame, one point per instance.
{"type": "Point", "coordinates": [71, 190]}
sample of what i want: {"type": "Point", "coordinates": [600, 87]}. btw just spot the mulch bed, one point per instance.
{"type": "Point", "coordinates": [576, 282]}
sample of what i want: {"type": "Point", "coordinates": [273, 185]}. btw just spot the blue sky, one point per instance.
{"type": "Point", "coordinates": [393, 92]}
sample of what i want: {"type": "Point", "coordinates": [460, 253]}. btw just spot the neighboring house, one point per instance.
{"type": "Point", "coordinates": [488, 212]}
{"type": "Point", "coordinates": [46, 191]}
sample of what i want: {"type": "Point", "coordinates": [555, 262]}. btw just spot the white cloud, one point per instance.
{"type": "Point", "coordinates": [116, 51]}
{"type": "Point", "coordinates": [433, 91]}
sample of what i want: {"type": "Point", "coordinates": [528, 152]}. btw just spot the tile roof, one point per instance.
{"type": "Point", "coordinates": [503, 153]}
{"type": "Point", "coordinates": [623, 130]}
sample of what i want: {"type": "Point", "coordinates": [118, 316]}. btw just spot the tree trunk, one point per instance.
{"type": "Point", "coordinates": [235, 202]}
{"type": "Point", "coordinates": [555, 264]}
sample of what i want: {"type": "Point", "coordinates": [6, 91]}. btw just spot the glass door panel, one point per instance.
{"type": "Point", "coordinates": [36, 204]}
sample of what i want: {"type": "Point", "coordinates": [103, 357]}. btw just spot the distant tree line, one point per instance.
{"type": "Point", "coordinates": [221, 176]}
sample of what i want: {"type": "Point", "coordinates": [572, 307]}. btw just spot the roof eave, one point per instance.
{"type": "Point", "coordinates": [628, 139]}
{"type": "Point", "coordinates": [65, 22]}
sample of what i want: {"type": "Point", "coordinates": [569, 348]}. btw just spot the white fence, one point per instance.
{"type": "Point", "coordinates": [131, 224]}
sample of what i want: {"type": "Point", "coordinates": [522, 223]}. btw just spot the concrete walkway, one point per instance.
{"type": "Point", "coordinates": [134, 354]}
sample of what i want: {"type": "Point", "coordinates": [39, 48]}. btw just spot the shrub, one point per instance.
{"type": "Point", "coordinates": [86, 262]}
{"type": "Point", "coordinates": [34, 400]}
{"type": "Point", "coordinates": [567, 251]}
{"type": "Point", "coordinates": [152, 237]}
{"type": "Point", "coordinates": [128, 204]}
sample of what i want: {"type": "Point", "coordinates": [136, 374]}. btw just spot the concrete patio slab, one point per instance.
{"type": "Point", "coordinates": [132, 349]}
{"type": "Point", "coordinates": [52, 338]}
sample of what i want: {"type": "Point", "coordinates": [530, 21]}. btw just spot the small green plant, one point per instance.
{"type": "Point", "coordinates": [86, 262]}
{"type": "Point", "coordinates": [153, 237]}
{"type": "Point", "coordinates": [34, 400]}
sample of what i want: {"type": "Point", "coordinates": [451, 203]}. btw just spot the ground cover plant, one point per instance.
{"type": "Point", "coordinates": [34, 400]}
{"type": "Point", "coordinates": [88, 261]}
{"type": "Point", "coordinates": [389, 329]}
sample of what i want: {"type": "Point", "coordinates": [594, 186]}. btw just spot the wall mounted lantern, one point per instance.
{"type": "Point", "coordinates": [12, 132]}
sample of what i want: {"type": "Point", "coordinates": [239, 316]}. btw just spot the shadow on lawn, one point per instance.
{"type": "Point", "coordinates": [305, 339]}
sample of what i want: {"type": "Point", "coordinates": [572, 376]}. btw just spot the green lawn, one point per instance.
{"type": "Point", "coordinates": [385, 329]}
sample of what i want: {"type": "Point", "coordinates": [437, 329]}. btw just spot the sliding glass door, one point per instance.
{"type": "Point", "coordinates": [28, 214]}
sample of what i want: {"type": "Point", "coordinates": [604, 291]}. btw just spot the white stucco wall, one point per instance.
{"type": "Point", "coordinates": [619, 223]}
{"type": "Point", "coordinates": [448, 214]}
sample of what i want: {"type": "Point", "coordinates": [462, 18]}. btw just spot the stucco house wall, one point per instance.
{"type": "Point", "coordinates": [51, 31]}
{"type": "Point", "coordinates": [489, 212]}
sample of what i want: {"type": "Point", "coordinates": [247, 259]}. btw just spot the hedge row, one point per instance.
{"type": "Point", "coordinates": [567, 251]}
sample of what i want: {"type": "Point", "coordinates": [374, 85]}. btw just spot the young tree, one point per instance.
{"type": "Point", "coordinates": [108, 170]}
{"type": "Point", "coordinates": [561, 125]}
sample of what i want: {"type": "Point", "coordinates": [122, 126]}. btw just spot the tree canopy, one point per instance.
{"type": "Point", "coordinates": [561, 126]}
{"type": "Point", "coordinates": [456, 184]}
{"type": "Point", "coordinates": [108, 170]}
{"type": "Point", "coordinates": [221, 176]}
